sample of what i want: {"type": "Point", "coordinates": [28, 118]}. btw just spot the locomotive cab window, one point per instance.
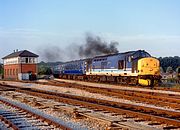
{"type": "Point", "coordinates": [120, 64]}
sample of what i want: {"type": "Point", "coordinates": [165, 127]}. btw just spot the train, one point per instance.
{"type": "Point", "coordinates": [132, 67]}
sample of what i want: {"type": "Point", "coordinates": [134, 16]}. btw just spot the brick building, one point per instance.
{"type": "Point", "coordinates": [20, 65]}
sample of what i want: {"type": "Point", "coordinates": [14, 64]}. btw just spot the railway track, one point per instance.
{"type": "Point", "coordinates": [109, 122]}
{"type": "Point", "coordinates": [123, 85]}
{"type": "Point", "coordinates": [150, 98]}
{"type": "Point", "coordinates": [20, 117]}
{"type": "Point", "coordinates": [167, 92]}
{"type": "Point", "coordinates": [171, 119]}
{"type": "Point", "coordinates": [153, 95]}
{"type": "Point", "coordinates": [157, 87]}
{"type": "Point", "coordinates": [158, 92]}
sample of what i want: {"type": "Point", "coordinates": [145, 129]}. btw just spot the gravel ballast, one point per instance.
{"type": "Point", "coordinates": [78, 92]}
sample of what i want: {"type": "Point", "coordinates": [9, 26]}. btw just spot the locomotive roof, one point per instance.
{"type": "Point", "coordinates": [74, 61]}
{"type": "Point", "coordinates": [23, 53]}
{"type": "Point", "coordinates": [123, 53]}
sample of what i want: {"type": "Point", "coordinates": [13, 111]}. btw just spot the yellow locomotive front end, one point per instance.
{"type": "Point", "coordinates": [148, 71]}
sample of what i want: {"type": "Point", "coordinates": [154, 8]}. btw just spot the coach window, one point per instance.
{"type": "Point", "coordinates": [103, 65]}
{"type": "Point", "coordinates": [121, 64]}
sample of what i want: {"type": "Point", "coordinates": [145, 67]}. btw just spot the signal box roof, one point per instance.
{"type": "Point", "coordinates": [23, 53]}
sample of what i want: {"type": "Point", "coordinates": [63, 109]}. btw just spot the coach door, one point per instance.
{"type": "Point", "coordinates": [120, 64]}
{"type": "Point", "coordinates": [89, 66]}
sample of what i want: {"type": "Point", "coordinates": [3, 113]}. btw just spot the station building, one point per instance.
{"type": "Point", "coordinates": [20, 65]}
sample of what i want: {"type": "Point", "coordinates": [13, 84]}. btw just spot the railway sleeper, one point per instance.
{"type": "Point", "coordinates": [170, 127]}
{"type": "Point", "coordinates": [125, 113]}
{"type": "Point", "coordinates": [9, 123]}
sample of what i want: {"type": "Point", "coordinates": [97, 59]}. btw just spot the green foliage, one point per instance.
{"type": "Point", "coordinates": [166, 62]}
{"type": "Point", "coordinates": [45, 68]}
{"type": "Point", "coordinates": [1, 69]}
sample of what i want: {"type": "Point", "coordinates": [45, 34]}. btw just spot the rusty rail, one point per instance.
{"type": "Point", "coordinates": [50, 122]}
{"type": "Point", "coordinates": [129, 95]}
{"type": "Point", "coordinates": [10, 124]}
{"type": "Point", "coordinates": [135, 111]}
{"type": "Point", "coordinates": [151, 114]}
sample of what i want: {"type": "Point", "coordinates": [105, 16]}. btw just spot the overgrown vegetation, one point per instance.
{"type": "Point", "coordinates": [46, 68]}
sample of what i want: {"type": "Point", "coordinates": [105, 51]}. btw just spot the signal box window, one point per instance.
{"type": "Point", "coordinates": [120, 64]}
{"type": "Point", "coordinates": [26, 60]}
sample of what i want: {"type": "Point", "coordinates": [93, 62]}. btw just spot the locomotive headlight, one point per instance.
{"type": "Point", "coordinates": [150, 69]}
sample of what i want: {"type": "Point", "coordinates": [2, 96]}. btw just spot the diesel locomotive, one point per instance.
{"type": "Point", "coordinates": [132, 67]}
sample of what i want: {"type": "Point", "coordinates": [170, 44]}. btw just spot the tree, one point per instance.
{"type": "Point", "coordinates": [1, 69]}
{"type": "Point", "coordinates": [173, 62]}
{"type": "Point", "coordinates": [178, 70]}
{"type": "Point", "coordinates": [48, 71]}
{"type": "Point", "coordinates": [169, 70]}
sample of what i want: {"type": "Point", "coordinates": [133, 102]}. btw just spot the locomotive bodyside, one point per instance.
{"type": "Point", "coordinates": [121, 64]}
{"type": "Point", "coordinates": [121, 67]}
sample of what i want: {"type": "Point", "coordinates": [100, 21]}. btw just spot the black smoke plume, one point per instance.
{"type": "Point", "coordinates": [93, 46]}
{"type": "Point", "coordinates": [51, 53]}
{"type": "Point", "coordinates": [96, 46]}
